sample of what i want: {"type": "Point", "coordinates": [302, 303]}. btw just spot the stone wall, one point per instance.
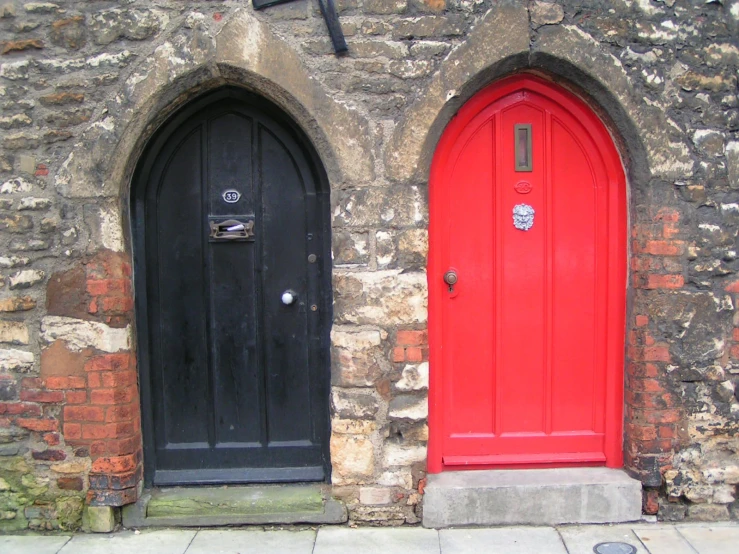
{"type": "Point", "coordinates": [84, 84]}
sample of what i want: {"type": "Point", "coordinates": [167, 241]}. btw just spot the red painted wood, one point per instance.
{"type": "Point", "coordinates": [527, 349]}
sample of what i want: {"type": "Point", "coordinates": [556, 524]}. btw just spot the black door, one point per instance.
{"type": "Point", "coordinates": [230, 218]}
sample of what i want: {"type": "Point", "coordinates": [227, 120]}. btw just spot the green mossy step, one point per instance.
{"type": "Point", "coordinates": [234, 505]}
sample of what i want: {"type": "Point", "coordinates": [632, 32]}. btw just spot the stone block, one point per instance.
{"type": "Point", "coordinates": [357, 358]}
{"type": "Point", "coordinates": [13, 332]}
{"type": "Point", "coordinates": [80, 334]}
{"type": "Point", "coordinates": [531, 497]}
{"type": "Point", "coordinates": [414, 377]}
{"type": "Point", "coordinates": [352, 459]}
{"type": "Point", "coordinates": [100, 519]}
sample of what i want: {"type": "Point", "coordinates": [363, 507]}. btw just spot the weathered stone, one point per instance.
{"type": "Point", "coordinates": [711, 142]}
{"type": "Point", "coordinates": [20, 45]}
{"type": "Point", "coordinates": [15, 121]}
{"type": "Point", "coordinates": [357, 359]}
{"type": "Point", "coordinates": [414, 377]}
{"type": "Point", "coordinates": [17, 304]}
{"type": "Point", "coordinates": [26, 278]}
{"type": "Point", "coordinates": [79, 334]}
{"type": "Point", "coordinates": [13, 332]}
{"type": "Point", "coordinates": [373, 49]}
{"type": "Point", "coordinates": [14, 186]}
{"type": "Point", "coordinates": [375, 496]}
{"type": "Point", "coordinates": [350, 426]}
{"type": "Point", "coordinates": [708, 512]}
{"type": "Point", "coordinates": [392, 207]}
{"type": "Point", "coordinates": [384, 7]}
{"type": "Point", "coordinates": [732, 163]}
{"type": "Point", "coordinates": [31, 203]}
{"type": "Point", "coordinates": [352, 459]}
{"type": "Point", "coordinates": [31, 245]}
{"type": "Point", "coordinates": [428, 26]}
{"type": "Point", "coordinates": [354, 404]}
{"type": "Point", "coordinates": [16, 360]}
{"type": "Point", "coordinates": [546, 13]}
{"type": "Point", "coordinates": [381, 297]}
{"type": "Point", "coordinates": [402, 455]}
{"type": "Point", "coordinates": [101, 519]}
{"type": "Point", "coordinates": [16, 223]}
{"type": "Point", "coordinates": [110, 25]}
{"type": "Point", "coordinates": [69, 33]}
{"type": "Point", "coordinates": [350, 248]}
{"type": "Point", "coordinates": [408, 407]}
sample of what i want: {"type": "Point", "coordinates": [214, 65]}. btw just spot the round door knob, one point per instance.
{"type": "Point", "coordinates": [450, 277]}
{"type": "Point", "coordinates": [288, 297]}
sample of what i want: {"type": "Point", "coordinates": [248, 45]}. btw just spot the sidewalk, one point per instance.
{"type": "Point", "coordinates": [708, 538]}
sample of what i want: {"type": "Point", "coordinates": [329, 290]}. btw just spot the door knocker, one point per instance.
{"type": "Point", "coordinates": [523, 217]}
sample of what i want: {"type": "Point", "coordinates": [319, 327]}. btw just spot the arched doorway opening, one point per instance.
{"type": "Point", "coordinates": [231, 236]}
{"type": "Point", "coordinates": [527, 283]}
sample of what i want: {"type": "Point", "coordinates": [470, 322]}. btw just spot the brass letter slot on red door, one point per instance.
{"type": "Point", "coordinates": [229, 230]}
{"type": "Point", "coordinates": [523, 147]}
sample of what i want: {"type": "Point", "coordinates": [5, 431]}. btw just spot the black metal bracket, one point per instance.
{"type": "Point", "coordinates": [328, 9]}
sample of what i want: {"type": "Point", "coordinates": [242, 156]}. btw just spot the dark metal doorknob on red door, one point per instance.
{"type": "Point", "coordinates": [450, 277]}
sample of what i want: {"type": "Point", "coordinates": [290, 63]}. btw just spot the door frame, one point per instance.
{"type": "Point", "coordinates": [617, 270]}
{"type": "Point", "coordinates": [137, 204]}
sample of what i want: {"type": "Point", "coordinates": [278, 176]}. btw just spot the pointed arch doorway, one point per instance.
{"type": "Point", "coordinates": [230, 221]}
{"type": "Point", "coordinates": [527, 283]}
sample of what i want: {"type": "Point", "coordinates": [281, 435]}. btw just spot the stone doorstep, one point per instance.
{"type": "Point", "coordinates": [531, 497]}
{"type": "Point", "coordinates": [234, 505]}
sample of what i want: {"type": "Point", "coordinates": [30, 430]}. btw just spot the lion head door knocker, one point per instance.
{"type": "Point", "coordinates": [523, 217]}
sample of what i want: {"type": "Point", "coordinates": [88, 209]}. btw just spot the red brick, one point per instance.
{"type": "Point", "coordinates": [733, 286]}
{"type": "Point", "coordinates": [76, 396]}
{"type": "Point", "coordinates": [666, 432]}
{"type": "Point", "coordinates": [49, 455]}
{"type": "Point", "coordinates": [642, 320]}
{"type": "Point", "coordinates": [663, 247]}
{"type": "Point", "coordinates": [112, 396]}
{"type": "Point", "coordinates": [646, 385]}
{"type": "Point", "coordinates": [414, 354]}
{"type": "Point", "coordinates": [114, 464]}
{"type": "Point", "coordinates": [32, 383]}
{"type": "Point", "coordinates": [643, 370]}
{"type": "Point", "coordinates": [121, 413]}
{"type": "Point", "coordinates": [62, 383]}
{"type": "Point", "coordinates": [112, 497]}
{"type": "Point", "coordinates": [42, 396]}
{"type": "Point", "coordinates": [52, 439]}
{"type": "Point", "coordinates": [665, 281]}
{"type": "Point", "coordinates": [20, 408]}
{"type": "Point", "coordinates": [658, 353]}
{"type": "Point", "coordinates": [641, 432]}
{"type": "Point", "coordinates": [667, 214]}
{"type": "Point", "coordinates": [650, 501]}
{"type": "Point", "coordinates": [115, 304]}
{"type": "Point", "coordinates": [97, 287]}
{"type": "Point", "coordinates": [411, 338]}
{"type": "Point", "coordinates": [42, 170]}
{"type": "Point", "coordinates": [72, 431]}
{"type": "Point", "coordinates": [398, 354]}
{"type": "Point", "coordinates": [735, 334]}
{"type": "Point", "coordinates": [109, 362]}
{"type": "Point", "coordinates": [38, 424]}
{"type": "Point", "coordinates": [119, 378]}
{"type": "Point", "coordinates": [84, 413]}
{"type": "Point", "coordinates": [670, 230]}
{"type": "Point", "coordinates": [70, 483]}
{"type": "Point", "coordinates": [115, 447]}
{"type": "Point", "coordinates": [95, 380]}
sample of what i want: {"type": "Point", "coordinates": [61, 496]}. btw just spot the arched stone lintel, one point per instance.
{"type": "Point", "coordinates": [245, 53]}
{"type": "Point", "coordinates": [499, 45]}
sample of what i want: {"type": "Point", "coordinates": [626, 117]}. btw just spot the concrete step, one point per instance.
{"type": "Point", "coordinates": [234, 505]}
{"type": "Point", "coordinates": [531, 497]}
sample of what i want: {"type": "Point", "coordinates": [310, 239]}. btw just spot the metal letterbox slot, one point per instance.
{"type": "Point", "coordinates": [231, 229]}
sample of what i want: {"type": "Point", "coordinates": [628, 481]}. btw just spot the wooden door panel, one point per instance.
{"type": "Point", "coordinates": [237, 380]}
{"type": "Point", "coordinates": [523, 345]}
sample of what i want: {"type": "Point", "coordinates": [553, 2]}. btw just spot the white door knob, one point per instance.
{"type": "Point", "coordinates": [288, 297]}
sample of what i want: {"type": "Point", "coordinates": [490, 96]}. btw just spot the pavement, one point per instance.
{"type": "Point", "coordinates": [707, 538]}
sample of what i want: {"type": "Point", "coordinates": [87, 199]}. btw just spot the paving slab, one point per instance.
{"type": "Point", "coordinates": [340, 540]}
{"type": "Point", "coordinates": [663, 540]}
{"type": "Point", "coordinates": [252, 542]}
{"type": "Point", "coordinates": [510, 540]}
{"type": "Point", "coordinates": [581, 540]}
{"type": "Point", "coordinates": [166, 541]}
{"type": "Point", "coordinates": [30, 544]}
{"type": "Point", "coordinates": [712, 539]}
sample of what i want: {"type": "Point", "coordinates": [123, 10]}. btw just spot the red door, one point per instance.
{"type": "Point", "coordinates": [528, 214]}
